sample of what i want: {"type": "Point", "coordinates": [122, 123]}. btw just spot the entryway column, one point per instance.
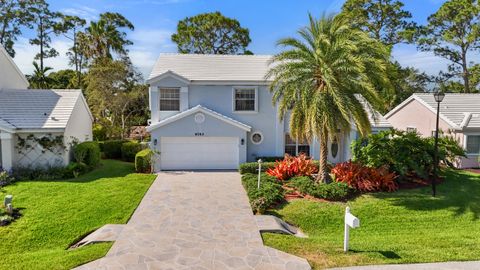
{"type": "Point", "coordinates": [7, 150]}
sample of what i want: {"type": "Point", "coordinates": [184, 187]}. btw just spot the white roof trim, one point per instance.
{"type": "Point", "coordinates": [22, 76]}
{"type": "Point", "coordinates": [199, 108]}
{"type": "Point", "coordinates": [167, 74]}
{"type": "Point", "coordinates": [421, 101]}
{"type": "Point", "coordinates": [465, 120]}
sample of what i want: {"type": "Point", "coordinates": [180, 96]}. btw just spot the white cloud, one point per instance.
{"type": "Point", "coordinates": [87, 13]}
{"type": "Point", "coordinates": [148, 43]}
{"type": "Point", "coordinates": [25, 54]}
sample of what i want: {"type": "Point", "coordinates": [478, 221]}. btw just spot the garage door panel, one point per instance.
{"type": "Point", "coordinates": [179, 153]}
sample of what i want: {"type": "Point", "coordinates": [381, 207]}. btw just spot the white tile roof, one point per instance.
{"type": "Point", "coordinates": [459, 110]}
{"type": "Point", "coordinates": [36, 109]}
{"type": "Point", "coordinates": [376, 118]}
{"type": "Point", "coordinates": [210, 67]}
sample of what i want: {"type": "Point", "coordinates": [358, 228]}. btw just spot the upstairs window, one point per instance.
{"type": "Point", "coordinates": [473, 144]}
{"type": "Point", "coordinates": [245, 99]}
{"type": "Point", "coordinates": [294, 148]}
{"type": "Point", "coordinates": [169, 99]}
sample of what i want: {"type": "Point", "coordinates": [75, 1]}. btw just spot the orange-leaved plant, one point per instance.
{"type": "Point", "coordinates": [365, 179]}
{"type": "Point", "coordinates": [293, 166]}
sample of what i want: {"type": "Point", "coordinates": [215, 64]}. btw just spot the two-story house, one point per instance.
{"type": "Point", "coordinates": [215, 112]}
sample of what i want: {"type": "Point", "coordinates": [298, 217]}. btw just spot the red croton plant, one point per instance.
{"type": "Point", "coordinates": [293, 166]}
{"type": "Point", "coordinates": [365, 179]}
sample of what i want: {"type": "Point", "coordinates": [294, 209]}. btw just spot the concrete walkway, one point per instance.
{"type": "Point", "coordinates": [198, 220]}
{"type": "Point", "coordinates": [474, 265]}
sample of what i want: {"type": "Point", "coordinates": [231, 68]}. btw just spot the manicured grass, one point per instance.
{"type": "Point", "coordinates": [408, 226]}
{"type": "Point", "coordinates": [58, 213]}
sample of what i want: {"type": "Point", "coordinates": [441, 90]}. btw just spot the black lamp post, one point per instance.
{"type": "Point", "coordinates": [438, 98]}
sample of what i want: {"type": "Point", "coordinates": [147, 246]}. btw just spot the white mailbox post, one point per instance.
{"type": "Point", "coordinates": [259, 172]}
{"type": "Point", "coordinates": [351, 221]}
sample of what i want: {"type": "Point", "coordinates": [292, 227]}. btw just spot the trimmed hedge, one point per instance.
{"type": "Point", "coordinates": [113, 149]}
{"type": "Point", "coordinates": [88, 153]}
{"type": "Point", "coordinates": [334, 191]}
{"type": "Point", "coordinates": [252, 167]}
{"type": "Point", "coordinates": [270, 192]}
{"type": "Point", "coordinates": [130, 149]}
{"type": "Point", "coordinates": [143, 161]}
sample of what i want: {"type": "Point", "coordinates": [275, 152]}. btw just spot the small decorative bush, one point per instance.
{"type": "Point", "coordinates": [143, 161]}
{"type": "Point", "coordinates": [130, 149]}
{"type": "Point", "coordinates": [252, 167]}
{"type": "Point", "coordinates": [75, 169]}
{"type": "Point", "coordinates": [269, 194]}
{"type": "Point", "coordinates": [293, 166]}
{"type": "Point", "coordinates": [88, 153]}
{"type": "Point", "coordinates": [99, 132]}
{"type": "Point", "coordinates": [5, 178]}
{"type": "Point", "coordinates": [365, 179]}
{"type": "Point", "coordinates": [113, 149]}
{"type": "Point", "coordinates": [333, 191]}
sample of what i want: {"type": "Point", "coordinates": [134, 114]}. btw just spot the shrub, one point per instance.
{"type": "Point", "coordinates": [333, 191]}
{"type": "Point", "coordinates": [270, 192]}
{"type": "Point", "coordinates": [129, 150]}
{"type": "Point", "coordinates": [365, 179]}
{"type": "Point", "coordinates": [99, 132]}
{"type": "Point", "coordinates": [113, 149]}
{"type": "Point", "coordinates": [252, 167]}
{"type": "Point", "coordinates": [88, 153]}
{"type": "Point", "coordinates": [143, 161]}
{"type": "Point", "coordinates": [293, 166]}
{"type": "Point", "coordinates": [40, 173]}
{"type": "Point", "coordinates": [404, 152]}
{"type": "Point", "coordinates": [5, 178]}
{"type": "Point", "coordinates": [75, 169]}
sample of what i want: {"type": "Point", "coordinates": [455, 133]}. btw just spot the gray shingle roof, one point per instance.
{"type": "Point", "coordinates": [35, 109]}
{"type": "Point", "coordinates": [461, 109]}
{"type": "Point", "coordinates": [209, 67]}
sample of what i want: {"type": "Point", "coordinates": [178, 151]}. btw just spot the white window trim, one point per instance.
{"type": "Point", "coordinates": [256, 99]}
{"type": "Point", "coordinates": [411, 127]}
{"type": "Point", "coordinates": [465, 138]}
{"type": "Point", "coordinates": [179, 98]}
{"type": "Point", "coordinates": [296, 145]}
{"type": "Point", "coordinates": [256, 132]}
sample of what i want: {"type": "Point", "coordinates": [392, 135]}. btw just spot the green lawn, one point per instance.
{"type": "Point", "coordinates": [404, 227]}
{"type": "Point", "coordinates": [58, 213]}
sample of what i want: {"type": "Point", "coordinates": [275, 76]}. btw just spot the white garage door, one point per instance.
{"type": "Point", "coordinates": [197, 153]}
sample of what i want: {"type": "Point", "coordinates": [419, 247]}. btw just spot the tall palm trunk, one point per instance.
{"type": "Point", "coordinates": [323, 176]}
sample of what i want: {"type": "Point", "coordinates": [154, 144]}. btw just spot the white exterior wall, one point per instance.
{"type": "Point", "coordinates": [10, 75]}
{"type": "Point", "coordinates": [36, 157]}
{"type": "Point", "coordinates": [79, 126]}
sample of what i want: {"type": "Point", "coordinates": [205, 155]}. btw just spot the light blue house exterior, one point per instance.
{"type": "Point", "coordinates": [215, 112]}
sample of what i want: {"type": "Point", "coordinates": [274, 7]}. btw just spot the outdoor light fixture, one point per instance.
{"type": "Point", "coordinates": [242, 141]}
{"type": "Point", "coordinates": [155, 142]}
{"type": "Point", "coordinates": [438, 98]}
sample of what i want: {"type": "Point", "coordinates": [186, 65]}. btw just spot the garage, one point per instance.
{"type": "Point", "coordinates": [199, 153]}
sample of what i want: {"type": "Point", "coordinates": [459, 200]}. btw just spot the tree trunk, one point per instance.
{"type": "Point", "coordinates": [465, 75]}
{"type": "Point", "coordinates": [41, 42]}
{"type": "Point", "coordinates": [323, 176]}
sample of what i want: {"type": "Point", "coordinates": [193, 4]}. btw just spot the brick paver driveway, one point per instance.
{"type": "Point", "coordinates": [199, 220]}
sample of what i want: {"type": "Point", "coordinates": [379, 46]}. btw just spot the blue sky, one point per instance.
{"type": "Point", "coordinates": [267, 20]}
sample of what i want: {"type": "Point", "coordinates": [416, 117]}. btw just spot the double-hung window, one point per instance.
{"type": "Point", "coordinates": [169, 99]}
{"type": "Point", "coordinates": [473, 144]}
{"type": "Point", "coordinates": [294, 148]}
{"type": "Point", "coordinates": [245, 99]}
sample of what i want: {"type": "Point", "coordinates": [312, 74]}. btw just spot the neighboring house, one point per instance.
{"type": "Point", "coordinates": [38, 127]}
{"type": "Point", "coordinates": [459, 117]}
{"type": "Point", "coordinates": [215, 112]}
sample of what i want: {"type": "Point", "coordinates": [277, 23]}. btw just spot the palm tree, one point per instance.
{"type": "Point", "coordinates": [39, 78]}
{"type": "Point", "coordinates": [104, 37]}
{"type": "Point", "coordinates": [318, 77]}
